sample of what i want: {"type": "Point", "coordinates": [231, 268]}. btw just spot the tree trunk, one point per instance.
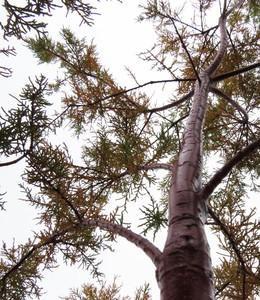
{"type": "Point", "coordinates": [184, 271]}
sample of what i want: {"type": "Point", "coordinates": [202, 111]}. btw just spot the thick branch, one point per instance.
{"type": "Point", "coordinates": [223, 38]}
{"type": "Point", "coordinates": [222, 48]}
{"type": "Point", "coordinates": [154, 166]}
{"type": "Point", "coordinates": [222, 173]}
{"type": "Point", "coordinates": [226, 75]}
{"type": "Point", "coordinates": [149, 249]}
{"type": "Point", "coordinates": [231, 101]}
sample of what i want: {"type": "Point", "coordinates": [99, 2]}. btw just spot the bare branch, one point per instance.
{"type": "Point", "coordinates": [222, 172]}
{"type": "Point", "coordinates": [125, 91]}
{"type": "Point", "coordinates": [154, 166]}
{"type": "Point", "coordinates": [231, 101]}
{"type": "Point", "coordinates": [226, 75]}
{"type": "Point", "coordinates": [220, 289]}
{"type": "Point", "coordinates": [149, 249]}
{"type": "Point", "coordinates": [172, 104]}
{"type": "Point", "coordinates": [12, 162]}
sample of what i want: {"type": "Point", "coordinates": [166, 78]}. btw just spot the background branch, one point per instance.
{"type": "Point", "coordinates": [226, 75]}
{"type": "Point", "coordinates": [231, 101]}
{"type": "Point", "coordinates": [222, 172]}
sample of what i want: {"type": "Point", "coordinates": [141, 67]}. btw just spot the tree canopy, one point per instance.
{"type": "Point", "coordinates": [126, 137]}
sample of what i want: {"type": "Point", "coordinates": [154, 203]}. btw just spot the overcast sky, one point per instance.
{"type": "Point", "coordinates": [118, 38]}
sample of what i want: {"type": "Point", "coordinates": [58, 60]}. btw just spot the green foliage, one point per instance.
{"type": "Point", "coordinates": [254, 10]}
{"type": "Point", "coordinates": [154, 217]}
{"type": "Point", "coordinates": [22, 281]}
{"type": "Point", "coordinates": [22, 127]}
{"type": "Point", "coordinates": [22, 19]}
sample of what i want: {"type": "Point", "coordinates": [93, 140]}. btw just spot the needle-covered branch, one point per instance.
{"type": "Point", "coordinates": [25, 18]}
{"type": "Point", "coordinates": [228, 235]}
{"type": "Point", "coordinates": [23, 126]}
{"type": "Point", "coordinates": [28, 255]}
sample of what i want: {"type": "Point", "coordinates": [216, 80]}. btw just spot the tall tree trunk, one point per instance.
{"type": "Point", "coordinates": [184, 271]}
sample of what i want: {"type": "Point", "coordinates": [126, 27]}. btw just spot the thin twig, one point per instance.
{"type": "Point", "coordinates": [185, 49]}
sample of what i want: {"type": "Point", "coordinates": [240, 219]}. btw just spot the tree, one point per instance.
{"type": "Point", "coordinates": [126, 139]}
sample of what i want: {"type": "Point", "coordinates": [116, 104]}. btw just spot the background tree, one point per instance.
{"type": "Point", "coordinates": [126, 139]}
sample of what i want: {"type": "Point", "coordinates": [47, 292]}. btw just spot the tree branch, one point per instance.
{"type": "Point", "coordinates": [226, 75]}
{"type": "Point", "coordinates": [125, 91]}
{"type": "Point", "coordinates": [149, 249]}
{"type": "Point", "coordinates": [220, 289]}
{"type": "Point", "coordinates": [236, 5]}
{"type": "Point", "coordinates": [185, 49]}
{"type": "Point", "coordinates": [232, 102]}
{"type": "Point", "coordinates": [223, 37]}
{"type": "Point", "coordinates": [172, 104]}
{"type": "Point", "coordinates": [12, 162]}
{"type": "Point", "coordinates": [222, 172]}
{"type": "Point", "coordinates": [51, 239]}
{"type": "Point", "coordinates": [59, 192]}
{"type": "Point", "coordinates": [222, 49]}
{"type": "Point", "coordinates": [229, 236]}
{"type": "Point", "coordinates": [154, 166]}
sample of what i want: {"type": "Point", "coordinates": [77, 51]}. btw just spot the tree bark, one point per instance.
{"type": "Point", "coordinates": [184, 271]}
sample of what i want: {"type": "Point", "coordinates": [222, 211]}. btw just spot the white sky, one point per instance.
{"type": "Point", "coordinates": [118, 38]}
